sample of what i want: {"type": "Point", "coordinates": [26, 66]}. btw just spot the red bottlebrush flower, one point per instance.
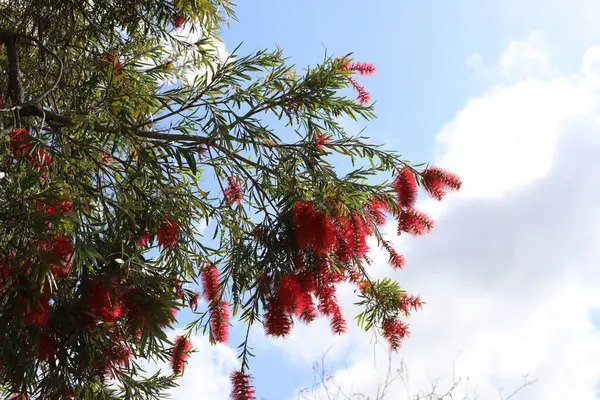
{"type": "Point", "coordinates": [178, 21]}
{"type": "Point", "coordinates": [61, 247]}
{"type": "Point", "coordinates": [115, 357]}
{"type": "Point", "coordinates": [41, 159]}
{"type": "Point", "coordinates": [18, 396]}
{"type": "Point", "coordinates": [180, 354]}
{"type": "Point", "coordinates": [337, 321]}
{"type": "Point", "coordinates": [194, 301]}
{"type": "Point", "coordinates": [375, 210]}
{"type": "Point", "coordinates": [276, 321]}
{"type": "Point", "coordinates": [437, 182]}
{"type": "Point", "coordinates": [414, 222]}
{"type": "Point", "coordinates": [359, 235]}
{"type": "Point", "coordinates": [363, 96]}
{"type": "Point", "coordinates": [306, 312]}
{"type": "Point", "coordinates": [406, 188]}
{"type": "Point", "coordinates": [327, 299]}
{"type": "Point", "coordinates": [303, 212]}
{"type": "Point", "coordinates": [241, 387]}
{"type": "Point", "coordinates": [167, 233]}
{"type": "Point", "coordinates": [168, 318]}
{"type": "Point", "coordinates": [362, 68]}
{"type": "Point", "coordinates": [100, 302]}
{"type": "Point", "coordinates": [46, 347]}
{"type": "Point", "coordinates": [106, 157]}
{"type": "Point", "coordinates": [60, 206]}
{"type": "Point", "coordinates": [321, 140]}
{"type": "Point", "coordinates": [219, 317]}
{"type": "Point", "coordinates": [409, 302]}
{"type": "Point", "coordinates": [313, 228]}
{"type": "Point", "coordinates": [290, 293]}
{"type": "Point", "coordinates": [178, 290]}
{"type": "Point", "coordinates": [144, 239]}
{"type": "Point", "coordinates": [20, 141]}
{"type": "Point", "coordinates": [210, 282]}
{"type": "Point", "coordinates": [394, 331]}
{"type": "Point", "coordinates": [38, 312]}
{"type": "Point", "coordinates": [396, 260]}
{"type": "Point", "coordinates": [234, 193]}
{"type": "Point", "coordinates": [353, 275]}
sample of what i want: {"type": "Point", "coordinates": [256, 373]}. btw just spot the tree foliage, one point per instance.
{"type": "Point", "coordinates": [119, 139]}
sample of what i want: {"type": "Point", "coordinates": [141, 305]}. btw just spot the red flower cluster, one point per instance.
{"type": "Point", "coordinates": [376, 210]}
{"type": "Point", "coordinates": [100, 303]}
{"type": "Point", "coordinates": [410, 220]}
{"type": "Point", "coordinates": [61, 247]}
{"type": "Point", "coordinates": [396, 260]}
{"type": "Point", "coordinates": [210, 282]}
{"type": "Point", "coordinates": [180, 353]}
{"type": "Point", "coordinates": [117, 356]}
{"type": "Point", "coordinates": [37, 312]}
{"type": "Point", "coordinates": [394, 331]}
{"type": "Point", "coordinates": [20, 141]}
{"type": "Point", "coordinates": [277, 322]}
{"type": "Point", "coordinates": [294, 297]}
{"type": "Point", "coordinates": [112, 58]}
{"type": "Point", "coordinates": [364, 97]}
{"type": "Point", "coordinates": [362, 68]}
{"type": "Point", "coordinates": [41, 159]}
{"type": "Point", "coordinates": [241, 387]}
{"type": "Point", "coordinates": [20, 144]}
{"type": "Point", "coordinates": [219, 317]}
{"type": "Point", "coordinates": [234, 193]}
{"type": "Point", "coordinates": [178, 21]}
{"type": "Point", "coordinates": [219, 311]}
{"type": "Point", "coordinates": [405, 185]}
{"type": "Point", "coordinates": [313, 228]}
{"type": "Point", "coordinates": [321, 140]}
{"type": "Point", "coordinates": [167, 233]}
{"type": "Point", "coordinates": [60, 206]}
{"type": "Point", "coordinates": [194, 301]}
{"type": "Point", "coordinates": [437, 182]}
{"type": "Point", "coordinates": [144, 239]}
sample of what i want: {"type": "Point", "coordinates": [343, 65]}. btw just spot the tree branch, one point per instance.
{"type": "Point", "coordinates": [15, 90]}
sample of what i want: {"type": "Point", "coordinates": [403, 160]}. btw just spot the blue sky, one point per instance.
{"type": "Point", "coordinates": [498, 92]}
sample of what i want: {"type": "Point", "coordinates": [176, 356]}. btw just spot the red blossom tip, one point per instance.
{"type": "Point", "coordinates": [234, 193]}
{"type": "Point", "coordinates": [241, 386]}
{"type": "Point", "coordinates": [438, 181]}
{"type": "Point", "coordinates": [396, 260]}
{"type": "Point", "coordinates": [180, 354]}
{"type": "Point", "coordinates": [210, 282]}
{"type": "Point", "coordinates": [178, 21]}
{"type": "Point", "coordinates": [405, 185]}
{"type": "Point", "coordinates": [194, 301]}
{"type": "Point", "coordinates": [414, 222]}
{"type": "Point", "coordinates": [363, 96]}
{"type": "Point", "coordinates": [219, 326]}
{"type": "Point", "coordinates": [363, 68]}
{"type": "Point", "coordinates": [167, 233]}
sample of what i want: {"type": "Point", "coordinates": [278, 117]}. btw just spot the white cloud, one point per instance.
{"type": "Point", "coordinates": [206, 375]}
{"type": "Point", "coordinates": [524, 57]}
{"type": "Point", "coordinates": [511, 272]}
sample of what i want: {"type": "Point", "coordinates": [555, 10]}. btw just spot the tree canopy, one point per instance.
{"type": "Point", "coordinates": [120, 138]}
